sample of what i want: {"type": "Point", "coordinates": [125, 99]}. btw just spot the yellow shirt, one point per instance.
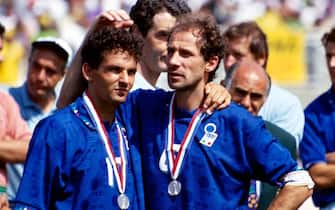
{"type": "Point", "coordinates": [13, 53]}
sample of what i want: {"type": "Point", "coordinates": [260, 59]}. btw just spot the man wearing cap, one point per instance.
{"type": "Point", "coordinates": [37, 96]}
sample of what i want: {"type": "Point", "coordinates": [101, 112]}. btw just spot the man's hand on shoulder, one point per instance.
{"type": "Point", "coordinates": [216, 97]}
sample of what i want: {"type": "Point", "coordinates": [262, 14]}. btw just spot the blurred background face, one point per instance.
{"type": "Point", "coordinates": [237, 49]}
{"type": "Point", "coordinates": [45, 71]}
{"type": "Point", "coordinates": [249, 89]}
{"type": "Point", "coordinates": [330, 55]}
{"type": "Point", "coordinates": [154, 49]}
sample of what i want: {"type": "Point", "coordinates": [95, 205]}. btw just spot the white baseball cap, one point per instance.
{"type": "Point", "coordinates": [56, 44]}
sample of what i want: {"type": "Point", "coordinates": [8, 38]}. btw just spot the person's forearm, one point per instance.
{"type": "Point", "coordinates": [290, 197]}
{"type": "Point", "coordinates": [323, 175]}
{"type": "Point", "coordinates": [74, 83]}
{"type": "Point", "coordinates": [12, 151]}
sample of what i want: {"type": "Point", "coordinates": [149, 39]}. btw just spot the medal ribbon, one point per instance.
{"type": "Point", "coordinates": [176, 163]}
{"type": "Point", "coordinates": [120, 172]}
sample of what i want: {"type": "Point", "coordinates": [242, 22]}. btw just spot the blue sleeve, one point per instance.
{"type": "Point", "coordinates": [312, 149]}
{"type": "Point", "coordinates": [43, 175]}
{"type": "Point", "coordinates": [269, 160]}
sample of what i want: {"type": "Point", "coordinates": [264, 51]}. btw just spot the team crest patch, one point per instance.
{"type": "Point", "coordinates": [210, 136]}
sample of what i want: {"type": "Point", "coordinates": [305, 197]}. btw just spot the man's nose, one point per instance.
{"type": "Point", "coordinates": [229, 61]}
{"type": "Point", "coordinates": [41, 74]}
{"type": "Point", "coordinates": [124, 78]}
{"type": "Point", "coordinates": [246, 102]}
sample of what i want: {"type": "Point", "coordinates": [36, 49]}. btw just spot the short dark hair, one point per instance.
{"type": "Point", "coordinates": [109, 39]}
{"type": "Point", "coordinates": [258, 45]}
{"type": "Point", "coordinates": [211, 41]}
{"type": "Point", "coordinates": [2, 30]}
{"type": "Point", "coordinates": [328, 37]}
{"type": "Point", "coordinates": [144, 11]}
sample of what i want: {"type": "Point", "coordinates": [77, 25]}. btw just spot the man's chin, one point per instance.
{"type": "Point", "coordinates": [174, 85]}
{"type": "Point", "coordinates": [121, 100]}
{"type": "Point", "coordinates": [39, 94]}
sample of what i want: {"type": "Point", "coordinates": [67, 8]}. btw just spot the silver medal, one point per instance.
{"type": "Point", "coordinates": [174, 188]}
{"type": "Point", "coordinates": [123, 201]}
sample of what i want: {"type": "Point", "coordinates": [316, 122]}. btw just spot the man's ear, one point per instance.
{"type": "Point", "coordinates": [261, 61]}
{"type": "Point", "coordinates": [86, 71]}
{"type": "Point", "coordinates": [212, 63]}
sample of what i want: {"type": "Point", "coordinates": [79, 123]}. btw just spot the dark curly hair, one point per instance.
{"type": "Point", "coordinates": [144, 11]}
{"type": "Point", "coordinates": [211, 42]}
{"type": "Point", "coordinates": [328, 37]}
{"type": "Point", "coordinates": [258, 45]}
{"type": "Point", "coordinates": [109, 39]}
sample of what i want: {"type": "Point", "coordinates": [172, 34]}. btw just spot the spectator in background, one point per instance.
{"type": "Point", "coordinates": [282, 108]}
{"type": "Point", "coordinates": [249, 85]}
{"type": "Point", "coordinates": [14, 134]}
{"type": "Point", "coordinates": [36, 98]}
{"type": "Point", "coordinates": [153, 21]}
{"type": "Point", "coordinates": [317, 148]}
{"type": "Point", "coordinates": [14, 52]}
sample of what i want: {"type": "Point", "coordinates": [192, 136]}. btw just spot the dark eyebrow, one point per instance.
{"type": "Point", "coordinates": [132, 69]}
{"type": "Point", "coordinates": [240, 90]}
{"type": "Point", "coordinates": [114, 67]}
{"type": "Point", "coordinates": [258, 95]}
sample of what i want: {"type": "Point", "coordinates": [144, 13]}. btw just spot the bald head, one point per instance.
{"type": "Point", "coordinates": [248, 84]}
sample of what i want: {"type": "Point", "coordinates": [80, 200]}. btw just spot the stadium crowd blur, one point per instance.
{"type": "Point", "coordinates": [293, 27]}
